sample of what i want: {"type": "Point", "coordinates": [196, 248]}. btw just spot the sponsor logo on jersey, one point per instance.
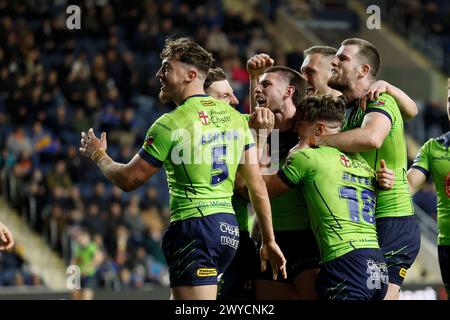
{"type": "Point", "coordinates": [447, 185]}
{"type": "Point", "coordinates": [402, 273]}
{"type": "Point", "coordinates": [376, 103]}
{"type": "Point", "coordinates": [206, 272]}
{"type": "Point", "coordinates": [204, 118]}
{"type": "Point", "coordinates": [345, 161]}
{"type": "Point", "coordinates": [220, 117]}
{"type": "Point", "coordinates": [207, 103]}
{"type": "Point", "coordinates": [149, 140]}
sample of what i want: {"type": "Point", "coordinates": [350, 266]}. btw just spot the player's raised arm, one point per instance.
{"type": "Point", "coordinates": [127, 176]}
{"type": "Point", "coordinates": [407, 106]}
{"type": "Point", "coordinates": [256, 66]}
{"type": "Point", "coordinates": [250, 172]}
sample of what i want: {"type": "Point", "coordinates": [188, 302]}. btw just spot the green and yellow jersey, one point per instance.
{"type": "Point", "coordinates": [339, 190]}
{"type": "Point", "coordinates": [434, 158]}
{"type": "Point", "coordinates": [289, 211]}
{"type": "Point", "coordinates": [396, 202]}
{"type": "Point", "coordinates": [200, 145]}
{"type": "Point", "coordinates": [84, 258]}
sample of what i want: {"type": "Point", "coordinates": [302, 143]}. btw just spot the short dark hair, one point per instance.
{"type": "Point", "coordinates": [367, 53]}
{"type": "Point", "coordinates": [323, 107]}
{"type": "Point", "coordinates": [323, 50]}
{"type": "Point", "coordinates": [187, 51]}
{"type": "Point", "coordinates": [294, 79]}
{"type": "Point", "coordinates": [214, 74]}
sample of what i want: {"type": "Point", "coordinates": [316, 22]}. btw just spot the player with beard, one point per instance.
{"type": "Point", "coordinates": [316, 71]}
{"type": "Point", "coordinates": [377, 133]}
{"type": "Point", "coordinates": [203, 234]}
{"type": "Point", "coordinates": [280, 89]}
{"type": "Point", "coordinates": [340, 191]}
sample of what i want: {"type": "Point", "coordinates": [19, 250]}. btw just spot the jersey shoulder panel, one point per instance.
{"type": "Point", "coordinates": [301, 165]}
{"type": "Point", "coordinates": [386, 105]}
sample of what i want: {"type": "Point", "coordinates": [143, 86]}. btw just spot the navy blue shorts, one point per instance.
{"type": "Point", "coordinates": [399, 239]}
{"type": "Point", "coordinates": [301, 252]}
{"type": "Point", "coordinates": [238, 281]}
{"type": "Point", "coordinates": [198, 250]}
{"type": "Point", "coordinates": [358, 275]}
{"type": "Point", "coordinates": [444, 264]}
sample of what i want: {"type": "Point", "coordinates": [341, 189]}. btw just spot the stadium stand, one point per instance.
{"type": "Point", "coordinates": [54, 82]}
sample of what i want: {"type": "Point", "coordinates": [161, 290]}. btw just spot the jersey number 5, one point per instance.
{"type": "Point", "coordinates": [219, 164]}
{"type": "Point", "coordinates": [368, 198]}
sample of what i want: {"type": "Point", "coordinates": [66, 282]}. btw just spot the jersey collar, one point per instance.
{"type": "Point", "coordinates": [445, 139]}
{"type": "Point", "coordinates": [351, 104]}
{"type": "Point", "coordinates": [193, 96]}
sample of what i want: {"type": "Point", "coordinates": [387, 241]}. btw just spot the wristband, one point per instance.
{"type": "Point", "coordinates": [98, 155]}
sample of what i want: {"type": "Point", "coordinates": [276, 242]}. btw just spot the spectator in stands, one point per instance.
{"type": "Point", "coordinates": [434, 118]}
{"type": "Point", "coordinates": [59, 177]}
{"type": "Point", "coordinates": [45, 146]}
{"type": "Point", "coordinates": [94, 221]}
{"type": "Point", "coordinates": [18, 142]}
{"type": "Point", "coordinates": [75, 166]}
{"type": "Point", "coordinates": [38, 193]}
{"type": "Point", "coordinates": [151, 199]}
{"type": "Point", "coordinates": [99, 197]}
{"type": "Point", "coordinates": [217, 42]}
{"type": "Point", "coordinates": [133, 219]}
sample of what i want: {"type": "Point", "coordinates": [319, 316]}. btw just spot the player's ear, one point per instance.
{"type": "Point", "coordinates": [191, 75]}
{"type": "Point", "coordinates": [289, 92]}
{"type": "Point", "coordinates": [364, 69]}
{"type": "Point", "coordinates": [320, 129]}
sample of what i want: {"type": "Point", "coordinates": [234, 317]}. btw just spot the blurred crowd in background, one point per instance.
{"type": "Point", "coordinates": [55, 83]}
{"type": "Point", "coordinates": [426, 24]}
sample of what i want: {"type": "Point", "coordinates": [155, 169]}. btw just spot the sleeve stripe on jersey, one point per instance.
{"type": "Point", "coordinates": [380, 111]}
{"type": "Point", "coordinates": [424, 171]}
{"type": "Point", "coordinates": [149, 158]}
{"type": "Point", "coordinates": [248, 146]}
{"type": "Point", "coordinates": [285, 179]}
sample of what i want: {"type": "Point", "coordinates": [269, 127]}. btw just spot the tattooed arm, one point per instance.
{"type": "Point", "coordinates": [127, 176]}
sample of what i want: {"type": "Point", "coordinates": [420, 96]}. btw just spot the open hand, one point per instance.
{"type": "Point", "coordinates": [90, 143]}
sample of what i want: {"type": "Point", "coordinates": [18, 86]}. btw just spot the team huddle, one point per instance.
{"type": "Point", "coordinates": [335, 222]}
